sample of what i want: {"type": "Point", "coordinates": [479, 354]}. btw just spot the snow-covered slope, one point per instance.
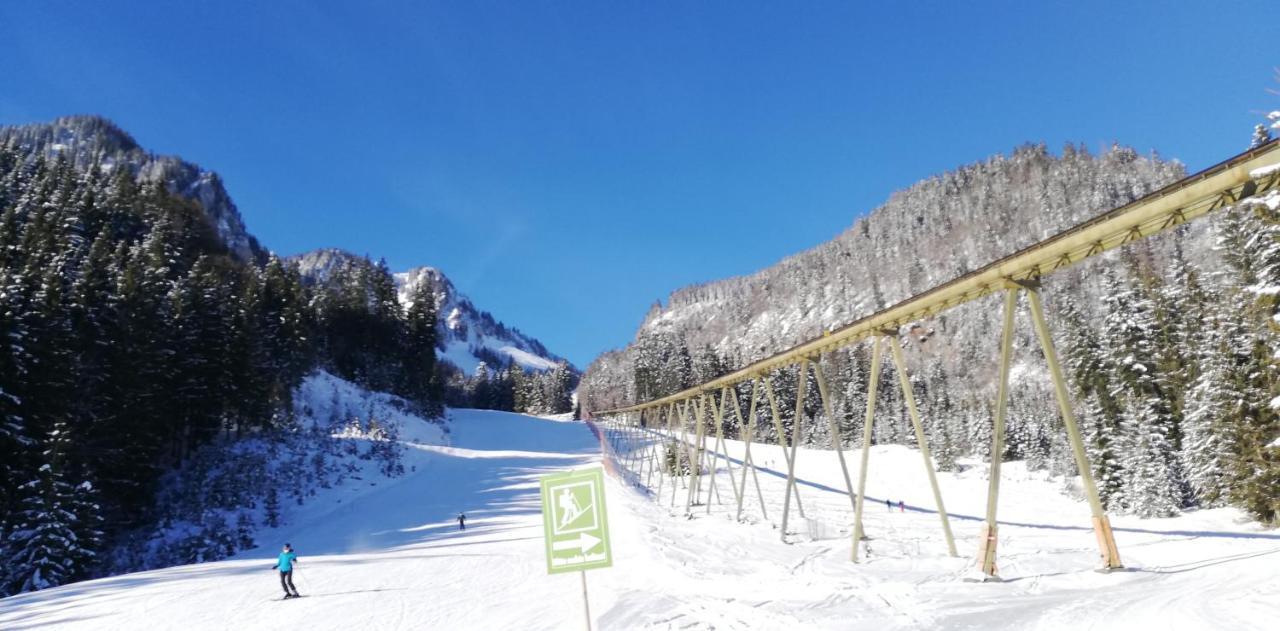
{"type": "Point", "coordinates": [326, 400]}
{"type": "Point", "coordinates": [466, 330]}
{"type": "Point", "coordinates": [343, 440]}
{"type": "Point", "coordinates": [390, 556]}
{"type": "Point", "coordinates": [467, 335]}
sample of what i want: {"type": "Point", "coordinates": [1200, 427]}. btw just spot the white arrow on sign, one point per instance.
{"type": "Point", "coordinates": [584, 542]}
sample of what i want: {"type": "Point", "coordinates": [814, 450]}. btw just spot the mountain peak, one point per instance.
{"type": "Point", "coordinates": [79, 129]}
{"type": "Point", "coordinates": [466, 335]}
{"type": "Point", "coordinates": [88, 139]}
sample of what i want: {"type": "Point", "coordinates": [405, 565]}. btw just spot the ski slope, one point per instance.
{"type": "Point", "coordinates": [388, 555]}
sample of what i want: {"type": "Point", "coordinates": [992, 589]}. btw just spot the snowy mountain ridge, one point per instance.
{"type": "Point", "coordinates": [467, 335]}
{"type": "Point", "coordinates": [90, 140]}
{"type": "Point", "coordinates": [936, 229]}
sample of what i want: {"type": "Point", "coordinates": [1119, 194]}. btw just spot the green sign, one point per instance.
{"type": "Point", "coordinates": [574, 523]}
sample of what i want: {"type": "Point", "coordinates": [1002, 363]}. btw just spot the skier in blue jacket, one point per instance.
{"type": "Point", "coordinates": [284, 563]}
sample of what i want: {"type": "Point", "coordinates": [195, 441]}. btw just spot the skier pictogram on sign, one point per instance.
{"type": "Point", "coordinates": [574, 521]}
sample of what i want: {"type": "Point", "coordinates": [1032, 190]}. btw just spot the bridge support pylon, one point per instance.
{"type": "Point", "coordinates": [747, 426]}
{"type": "Point", "coordinates": [1109, 553]}
{"type": "Point", "coordinates": [908, 394]}
{"type": "Point", "coordinates": [866, 446]}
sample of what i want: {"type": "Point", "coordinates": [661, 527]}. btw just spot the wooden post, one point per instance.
{"type": "Point", "coordinates": [834, 430]}
{"type": "Point", "coordinates": [641, 457]}
{"type": "Point", "coordinates": [633, 446]}
{"type": "Point", "coordinates": [642, 433]}
{"type": "Point", "coordinates": [797, 435]}
{"type": "Point", "coordinates": [677, 416]}
{"type": "Point", "coordinates": [624, 442]}
{"type": "Point", "coordinates": [695, 457]}
{"type": "Point", "coordinates": [1110, 555]}
{"type": "Point", "coordinates": [908, 394]}
{"type": "Point", "coordinates": [867, 423]}
{"type": "Point", "coordinates": [654, 449]}
{"type": "Point", "coordinates": [586, 604]}
{"type": "Point", "coordinates": [747, 461]}
{"type": "Point", "coordinates": [661, 458]}
{"type": "Point", "coordinates": [782, 436]}
{"type": "Point", "coordinates": [713, 490]}
{"type": "Point", "coordinates": [990, 537]}
{"type": "Point", "coordinates": [720, 444]}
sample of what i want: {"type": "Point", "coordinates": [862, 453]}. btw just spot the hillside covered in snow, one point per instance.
{"type": "Point", "coordinates": [466, 335]}
{"type": "Point", "coordinates": [93, 142]}
{"type": "Point", "coordinates": [1172, 360]}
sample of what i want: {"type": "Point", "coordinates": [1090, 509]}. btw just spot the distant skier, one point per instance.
{"type": "Point", "coordinates": [462, 521]}
{"type": "Point", "coordinates": [902, 508]}
{"type": "Point", "coordinates": [284, 563]}
{"type": "Point", "coordinates": [887, 505]}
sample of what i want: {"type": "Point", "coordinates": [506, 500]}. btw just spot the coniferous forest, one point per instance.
{"type": "Point", "coordinates": [139, 339]}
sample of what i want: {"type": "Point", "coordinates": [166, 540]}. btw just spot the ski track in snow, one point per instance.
{"type": "Point", "coordinates": [389, 556]}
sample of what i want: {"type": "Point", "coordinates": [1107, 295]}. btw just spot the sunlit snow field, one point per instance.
{"type": "Point", "coordinates": [389, 555]}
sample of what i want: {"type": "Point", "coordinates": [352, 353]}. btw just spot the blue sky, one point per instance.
{"type": "Point", "coordinates": [569, 163]}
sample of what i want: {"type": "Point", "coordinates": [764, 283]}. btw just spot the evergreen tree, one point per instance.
{"type": "Point", "coordinates": [1214, 404]}
{"type": "Point", "coordinates": [481, 388]}
{"type": "Point", "coordinates": [45, 548]}
{"type": "Point", "coordinates": [1099, 415]}
{"type": "Point", "coordinates": [519, 388]}
{"type": "Point", "coordinates": [419, 382]}
{"type": "Point", "coordinates": [560, 384]}
{"type": "Point", "coordinates": [1154, 481]}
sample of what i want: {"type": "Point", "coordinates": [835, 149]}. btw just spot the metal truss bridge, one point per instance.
{"type": "Point", "coordinates": [688, 416]}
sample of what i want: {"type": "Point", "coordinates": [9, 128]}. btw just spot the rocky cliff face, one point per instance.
{"type": "Point", "coordinates": [90, 140]}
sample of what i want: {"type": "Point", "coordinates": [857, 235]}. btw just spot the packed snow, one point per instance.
{"type": "Point", "coordinates": [390, 555]}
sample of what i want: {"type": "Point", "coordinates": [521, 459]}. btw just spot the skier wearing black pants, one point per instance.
{"type": "Point", "coordinates": [462, 521]}
{"type": "Point", "coordinates": [285, 564]}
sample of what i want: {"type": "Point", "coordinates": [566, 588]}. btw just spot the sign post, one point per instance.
{"type": "Point", "coordinates": [575, 526]}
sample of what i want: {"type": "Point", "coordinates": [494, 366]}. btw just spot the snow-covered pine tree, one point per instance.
{"type": "Point", "coordinates": [45, 549]}
{"type": "Point", "coordinates": [1214, 405]}
{"type": "Point", "coordinates": [482, 388]}
{"type": "Point", "coordinates": [1099, 409]}
{"type": "Point", "coordinates": [13, 357]}
{"type": "Point", "coordinates": [561, 389]}
{"type": "Point", "coordinates": [419, 364]}
{"type": "Point", "coordinates": [1154, 485]}
{"type": "Point", "coordinates": [519, 388]}
{"type": "Point", "coordinates": [1261, 136]}
{"type": "Point", "coordinates": [855, 379]}
{"type": "Point", "coordinates": [1255, 260]}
